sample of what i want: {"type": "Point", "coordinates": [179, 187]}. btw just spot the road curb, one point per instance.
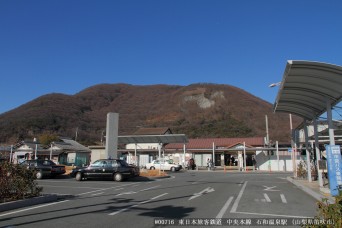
{"type": "Point", "coordinates": [316, 195]}
{"type": "Point", "coordinates": [27, 202]}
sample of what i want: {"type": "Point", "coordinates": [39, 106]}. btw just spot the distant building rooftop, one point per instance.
{"type": "Point", "coordinates": [153, 131]}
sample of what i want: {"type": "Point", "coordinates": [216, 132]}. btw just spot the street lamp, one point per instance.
{"type": "Point", "coordinates": [274, 84]}
{"type": "Point", "coordinates": [35, 152]}
{"type": "Point", "coordinates": [51, 151]}
{"type": "Point", "coordinates": [293, 145]}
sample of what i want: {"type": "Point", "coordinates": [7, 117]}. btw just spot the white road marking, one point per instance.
{"type": "Point", "coordinates": [135, 205]}
{"type": "Point", "coordinates": [104, 189]}
{"type": "Point", "coordinates": [132, 192]}
{"type": "Point", "coordinates": [149, 188]}
{"type": "Point", "coordinates": [204, 191]}
{"type": "Point", "coordinates": [96, 194]}
{"type": "Point", "coordinates": [32, 208]}
{"type": "Point", "coordinates": [126, 193]}
{"type": "Point", "coordinates": [65, 186]}
{"type": "Point", "coordinates": [225, 207]}
{"type": "Point", "coordinates": [283, 199]}
{"type": "Point", "coordinates": [236, 202]}
{"type": "Point", "coordinates": [276, 215]}
{"type": "Point", "coordinates": [268, 200]}
{"type": "Point", "coordinates": [270, 189]}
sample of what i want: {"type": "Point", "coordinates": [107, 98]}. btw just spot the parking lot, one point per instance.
{"type": "Point", "coordinates": [185, 195]}
{"type": "Point", "coordinates": [67, 186]}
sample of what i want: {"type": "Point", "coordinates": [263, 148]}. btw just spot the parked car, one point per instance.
{"type": "Point", "coordinates": [163, 165]}
{"type": "Point", "coordinates": [115, 169]}
{"type": "Point", "coordinates": [44, 168]}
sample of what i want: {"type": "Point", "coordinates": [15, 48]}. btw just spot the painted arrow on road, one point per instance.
{"type": "Point", "coordinates": [205, 191]}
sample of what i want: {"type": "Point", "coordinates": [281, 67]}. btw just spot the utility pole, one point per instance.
{"type": "Point", "coordinates": [267, 136]}
{"type": "Point", "coordinates": [76, 134]}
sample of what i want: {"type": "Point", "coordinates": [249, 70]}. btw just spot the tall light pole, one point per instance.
{"type": "Point", "coordinates": [267, 135]}
{"type": "Point", "coordinates": [11, 154]}
{"type": "Point", "coordinates": [294, 151]}
{"type": "Point", "coordinates": [51, 151]}
{"type": "Point", "coordinates": [35, 152]}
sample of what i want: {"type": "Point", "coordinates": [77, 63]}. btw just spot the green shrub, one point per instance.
{"type": "Point", "coordinates": [330, 213]}
{"type": "Point", "coordinates": [17, 182]}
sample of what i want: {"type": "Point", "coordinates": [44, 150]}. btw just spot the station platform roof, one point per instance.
{"type": "Point", "coordinates": [306, 88]}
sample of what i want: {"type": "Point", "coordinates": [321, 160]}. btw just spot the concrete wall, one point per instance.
{"type": "Point", "coordinates": [270, 163]}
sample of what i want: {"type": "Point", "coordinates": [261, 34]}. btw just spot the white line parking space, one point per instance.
{"type": "Point", "coordinates": [135, 205]}
{"type": "Point", "coordinates": [236, 203]}
{"type": "Point", "coordinates": [104, 189]}
{"type": "Point", "coordinates": [283, 199]}
{"type": "Point", "coordinates": [225, 207]}
{"type": "Point", "coordinates": [267, 198]}
{"type": "Point", "coordinates": [32, 208]}
{"type": "Point", "coordinates": [256, 198]}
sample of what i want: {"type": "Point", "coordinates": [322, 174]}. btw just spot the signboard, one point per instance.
{"type": "Point", "coordinates": [334, 168]}
{"type": "Point", "coordinates": [322, 164]}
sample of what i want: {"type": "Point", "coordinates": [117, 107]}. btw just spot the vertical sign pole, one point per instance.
{"type": "Point", "coordinates": [334, 168]}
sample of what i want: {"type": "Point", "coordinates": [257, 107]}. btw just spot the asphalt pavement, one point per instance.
{"type": "Point", "coordinates": [187, 196]}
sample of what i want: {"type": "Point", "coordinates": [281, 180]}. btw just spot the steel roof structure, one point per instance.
{"type": "Point", "coordinates": [306, 88]}
{"type": "Point", "coordinates": [164, 139]}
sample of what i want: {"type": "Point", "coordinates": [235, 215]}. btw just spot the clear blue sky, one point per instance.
{"type": "Point", "coordinates": [66, 46]}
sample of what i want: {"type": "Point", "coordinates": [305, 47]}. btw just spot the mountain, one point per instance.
{"type": "Point", "coordinates": [197, 110]}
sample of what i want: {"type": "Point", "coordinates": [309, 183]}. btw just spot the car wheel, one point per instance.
{"type": "Point", "coordinates": [173, 169]}
{"type": "Point", "coordinates": [118, 177]}
{"type": "Point", "coordinates": [39, 174]}
{"type": "Point", "coordinates": [78, 176]}
{"type": "Point", "coordinates": [152, 168]}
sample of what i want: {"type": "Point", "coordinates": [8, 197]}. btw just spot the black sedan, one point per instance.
{"type": "Point", "coordinates": [115, 169]}
{"type": "Point", "coordinates": [44, 168]}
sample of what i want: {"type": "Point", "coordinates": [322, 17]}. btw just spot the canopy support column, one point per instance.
{"type": "Point", "coordinates": [330, 123]}
{"type": "Point", "coordinates": [307, 151]}
{"type": "Point", "coordinates": [318, 154]}
{"type": "Point", "coordinates": [135, 154]}
{"type": "Point", "coordinates": [244, 156]}
{"type": "Point", "coordinates": [184, 155]}
{"type": "Point", "coordinates": [213, 160]}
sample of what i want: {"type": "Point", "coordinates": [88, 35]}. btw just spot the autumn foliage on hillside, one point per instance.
{"type": "Point", "coordinates": [198, 110]}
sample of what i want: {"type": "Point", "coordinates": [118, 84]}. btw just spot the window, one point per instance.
{"type": "Point", "coordinates": [46, 163]}
{"type": "Point", "coordinates": [97, 163]}
{"type": "Point", "coordinates": [122, 163]}
{"type": "Point", "coordinates": [115, 164]}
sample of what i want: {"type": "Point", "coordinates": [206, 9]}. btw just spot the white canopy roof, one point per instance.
{"type": "Point", "coordinates": [306, 88]}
